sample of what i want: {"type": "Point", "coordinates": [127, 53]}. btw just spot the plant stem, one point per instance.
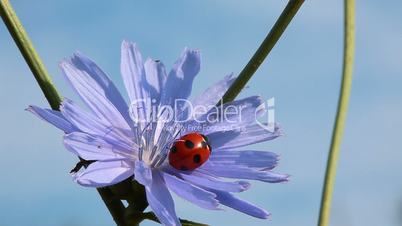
{"type": "Point", "coordinates": [265, 48]}
{"type": "Point", "coordinates": [349, 45]}
{"type": "Point", "coordinates": [151, 216]}
{"type": "Point", "coordinates": [41, 75]}
{"type": "Point", "coordinates": [114, 205]}
{"type": "Point", "coordinates": [27, 50]}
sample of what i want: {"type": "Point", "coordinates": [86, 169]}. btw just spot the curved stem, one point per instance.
{"type": "Point", "coordinates": [41, 75]}
{"type": "Point", "coordinates": [349, 39]}
{"type": "Point", "coordinates": [265, 48]}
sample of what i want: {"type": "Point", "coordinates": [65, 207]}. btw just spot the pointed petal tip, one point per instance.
{"type": "Point", "coordinates": [127, 44]}
{"type": "Point", "coordinates": [286, 178]}
{"type": "Point", "coordinates": [263, 214]}
{"type": "Point", "coordinates": [230, 78]}
{"type": "Point", "coordinates": [282, 179]}
{"type": "Point", "coordinates": [62, 63]}
{"type": "Point", "coordinates": [281, 133]}
{"type": "Point", "coordinates": [30, 108]}
{"type": "Point", "coordinates": [240, 205]}
{"type": "Point", "coordinates": [191, 52]}
{"type": "Point", "coordinates": [245, 185]}
{"type": "Point", "coordinates": [76, 55]}
{"type": "Point", "coordinates": [267, 216]}
{"type": "Point", "coordinates": [215, 205]}
{"type": "Point", "coordinates": [218, 207]}
{"type": "Point", "coordinates": [33, 109]}
{"type": "Point", "coordinates": [65, 65]}
{"type": "Point", "coordinates": [150, 61]}
{"type": "Point", "coordinates": [231, 75]}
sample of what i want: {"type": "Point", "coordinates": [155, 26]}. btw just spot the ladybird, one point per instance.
{"type": "Point", "coordinates": [189, 152]}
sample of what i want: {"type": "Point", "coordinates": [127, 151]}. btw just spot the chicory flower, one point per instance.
{"type": "Point", "coordinates": [134, 140]}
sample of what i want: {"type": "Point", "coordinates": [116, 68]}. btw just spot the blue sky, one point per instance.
{"type": "Point", "coordinates": [302, 73]}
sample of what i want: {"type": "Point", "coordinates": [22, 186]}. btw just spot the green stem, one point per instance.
{"type": "Point", "coordinates": [265, 48]}
{"type": "Point", "coordinates": [32, 58]}
{"type": "Point", "coordinates": [34, 62]}
{"type": "Point", "coordinates": [349, 45]}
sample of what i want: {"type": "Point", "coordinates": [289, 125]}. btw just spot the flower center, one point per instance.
{"type": "Point", "coordinates": [155, 141]}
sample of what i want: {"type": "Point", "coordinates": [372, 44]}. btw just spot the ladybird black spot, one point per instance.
{"type": "Point", "coordinates": [183, 168]}
{"type": "Point", "coordinates": [197, 158]}
{"type": "Point", "coordinates": [173, 149]}
{"type": "Point", "coordinates": [189, 144]}
{"type": "Point", "coordinates": [205, 137]}
{"type": "Point", "coordinates": [209, 147]}
{"type": "Point", "coordinates": [203, 144]}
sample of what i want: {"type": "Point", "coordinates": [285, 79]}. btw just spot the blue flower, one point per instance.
{"type": "Point", "coordinates": [134, 140]}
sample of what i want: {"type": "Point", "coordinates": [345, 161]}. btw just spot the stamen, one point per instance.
{"type": "Point", "coordinates": [154, 161]}
{"type": "Point", "coordinates": [157, 149]}
{"type": "Point", "coordinates": [140, 153]}
{"type": "Point", "coordinates": [151, 156]}
{"type": "Point", "coordinates": [161, 159]}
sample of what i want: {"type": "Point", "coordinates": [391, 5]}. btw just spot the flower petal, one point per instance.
{"type": "Point", "coordinates": [155, 79]}
{"type": "Point", "coordinates": [241, 172]}
{"type": "Point", "coordinates": [104, 173]}
{"type": "Point", "coordinates": [214, 93]}
{"type": "Point", "coordinates": [193, 194]}
{"type": "Point", "coordinates": [53, 117]}
{"type": "Point", "coordinates": [96, 90]}
{"type": "Point", "coordinates": [250, 134]}
{"type": "Point", "coordinates": [161, 201]}
{"type": "Point", "coordinates": [142, 173]}
{"type": "Point", "coordinates": [210, 182]}
{"type": "Point", "coordinates": [132, 71]}
{"type": "Point", "coordinates": [89, 124]}
{"type": "Point", "coordinates": [229, 200]}
{"type": "Point", "coordinates": [233, 116]}
{"type": "Point", "coordinates": [181, 77]}
{"type": "Point", "coordinates": [248, 158]}
{"type": "Point", "coordinates": [90, 147]}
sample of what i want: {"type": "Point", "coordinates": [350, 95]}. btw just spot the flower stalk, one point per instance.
{"type": "Point", "coordinates": [265, 48]}
{"type": "Point", "coordinates": [151, 216]}
{"type": "Point", "coordinates": [27, 50]}
{"type": "Point", "coordinates": [348, 55]}
{"type": "Point", "coordinates": [18, 33]}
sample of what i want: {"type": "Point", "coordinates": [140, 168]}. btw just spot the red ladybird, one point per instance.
{"type": "Point", "coordinates": [189, 152]}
